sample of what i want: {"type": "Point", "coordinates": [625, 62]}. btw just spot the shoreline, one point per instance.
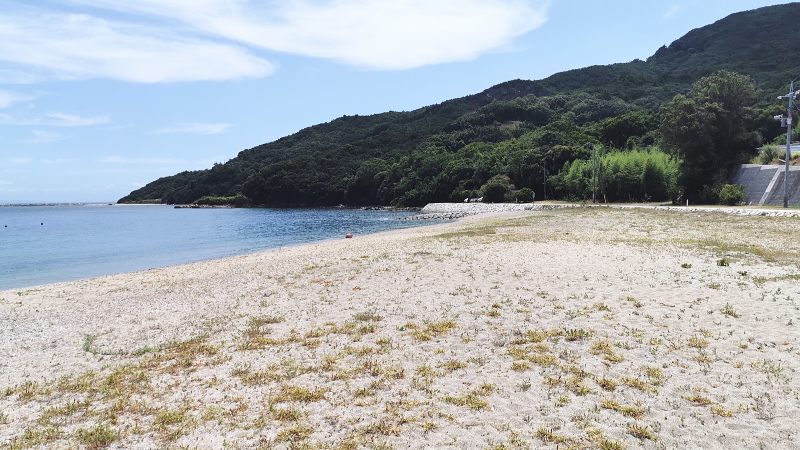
{"type": "Point", "coordinates": [557, 327]}
{"type": "Point", "coordinates": [363, 221]}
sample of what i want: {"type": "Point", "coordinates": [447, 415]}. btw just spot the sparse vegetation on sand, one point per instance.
{"type": "Point", "coordinates": [570, 329]}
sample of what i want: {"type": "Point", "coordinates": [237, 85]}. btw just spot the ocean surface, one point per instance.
{"type": "Point", "coordinates": [50, 244]}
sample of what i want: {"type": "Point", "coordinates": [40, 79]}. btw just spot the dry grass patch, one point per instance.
{"type": "Point", "coordinates": [431, 330]}
{"type": "Point", "coordinates": [472, 399]}
{"type": "Point", "coordinates": [97, 437]}
{"type": "Point", "coordinates": [604, 348]}
{"type": "Point", "coordinates": [298, 432]}
{"type": "Point", "coordinates": [520, 366]}
{"type": "Point", "coordinates": [172, 424]}
{"type": "Point", "coordinates": [368, 316]}
{"type": "Point", "coordinates": [607, 384]}
{"type": "Point", "coordinates": [639, 384]}
{"type": "Point", "coordinates": [292, 393]}
{"type": "Point", "coordinates": [549, 436]}
{"type": "Point", "coordinates": [453, 365]}
{"type": "Point", "coordinates": [697, 342]}
{"type": "Point", "coordinates": [698, 400]}
{"type": "Point", "coordinates": [721, 411]}
{"type": "Point", "coordinates": [641, 432]}
{"type": "Point", "coordinates": [288, 414]}
{"type": "Point", "coordinates": [636, 411]}
{"type": "Point", "coordinates": [729, 311]}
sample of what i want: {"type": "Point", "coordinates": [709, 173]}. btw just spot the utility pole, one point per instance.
{"type": "Point", "coordinates": [594, 174]}
{"type": "Point", "coordinates": [788, 146]}
{"type": "Point", "coordinates": [787, 122]}
{"type": "Point", "coordinates": [544, 175]}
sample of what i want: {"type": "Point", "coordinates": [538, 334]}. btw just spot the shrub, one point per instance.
{"type": "Point", "coordinates": [768, 153]}
{"type": "Point", "coordinates": [731, 194]}
{"type": "Point", "coordinates": [458, 195]}
{"type": "Point", "coordinates": [494, 192]}
{"type": "Point", "coordinates": [525, 195]}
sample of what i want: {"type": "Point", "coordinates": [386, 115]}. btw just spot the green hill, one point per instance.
{"type": "Point", "coordinates": [520, 131]}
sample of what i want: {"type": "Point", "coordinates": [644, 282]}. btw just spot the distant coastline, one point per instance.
{"type": "Point", "coordinates": [59, 204]}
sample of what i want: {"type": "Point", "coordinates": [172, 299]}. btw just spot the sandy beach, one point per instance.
{"type": "Point", "coordinates": [570, 328]}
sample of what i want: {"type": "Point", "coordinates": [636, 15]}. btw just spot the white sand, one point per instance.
{"type": "Point", "coordinates": [545, 329]}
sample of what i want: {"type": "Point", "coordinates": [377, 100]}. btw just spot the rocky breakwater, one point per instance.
{"type": "Point", "coordinates": [452, 211]}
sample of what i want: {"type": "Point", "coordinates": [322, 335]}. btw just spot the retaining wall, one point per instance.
{"type": "Point", "coordinates": [763, 185]}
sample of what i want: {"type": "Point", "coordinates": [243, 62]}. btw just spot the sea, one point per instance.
{"type": "Point", "coordinates": [50, 244]}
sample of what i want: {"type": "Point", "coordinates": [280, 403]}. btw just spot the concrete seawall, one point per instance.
{"type": "Point", "coordinates": [763, 185]}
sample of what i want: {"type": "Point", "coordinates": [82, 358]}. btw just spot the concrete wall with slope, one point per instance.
{"type": "Point", "coordinates": [763, 185]}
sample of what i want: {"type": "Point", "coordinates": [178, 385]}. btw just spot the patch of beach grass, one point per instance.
{"type": "Point", "coordinates": [641, 432]}
{"type": "Point", "coordinates": [431, 330]}
{"type": "Point", "coordinates": [97, 437]}
{"type": "Point", "coordinates": [292, 393]}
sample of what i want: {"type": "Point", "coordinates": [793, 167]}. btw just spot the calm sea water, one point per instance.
{"type": "Point", "coordinates": [49, 244]}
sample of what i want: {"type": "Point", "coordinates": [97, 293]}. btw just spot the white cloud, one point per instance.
{"type": "Point", "coordinates": [8, 98]}
{"type": "Point", "coordinates": [19, 161]}
{"type": "Point", "coordinates": [55, 120]}
{"type": "Point", "coordinates": [196, 128]}
{"type": "Point", "coordinates": [43, 137]}
{"type": "Point", "coordinates": [20, 76]}
{"type": "Point", "coordinates": [69, 120]}
{"type": "Point", "coordinates": [398, 34]}
{"type": "Point", "coordinates": [79, 46]}
{"type": "Point", "coordinates": [672, 11]}
{"type": "Point", "coordinates": [137, 184]}
{"type": "Point", "coordinates": [6, 119]}
{"type": "Point", "coordinates": [5, 182]}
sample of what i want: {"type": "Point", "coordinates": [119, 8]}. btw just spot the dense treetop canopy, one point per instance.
{"type": "Point", "coordinates": [534, 134]}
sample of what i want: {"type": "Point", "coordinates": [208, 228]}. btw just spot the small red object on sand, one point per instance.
{"type": "Point", "coordinates": [348, 236]}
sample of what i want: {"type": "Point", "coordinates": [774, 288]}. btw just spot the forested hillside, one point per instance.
{"type": "Point", "coordinates": [519, 134]}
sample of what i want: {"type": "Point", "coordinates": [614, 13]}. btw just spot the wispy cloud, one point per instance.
{"type": "Point", "coordinates": [19, 161]}
{"type": "Point", "coordinates": [55, 120]}
{"type": "Point", "coordinates": [79, 46]}
{"type": "Point", "coordinates": [196, 128]}
{"type": "Point", "coordinates": [137, 184]}
{"type": "Point", "coordinates": [6, 119]}
{"type": "Point", "coordinates": [6, 182]}
{"type": "Point", "coordinates": [672, 11]}
{"type": "Point", "coordinates": [377, 34]}
{"type": "Point", "coordinates": [69, 120]}
{"type": "Point", "coordinates": [8, 98]}
{"type": "Point", "coordinates": [43, 137]}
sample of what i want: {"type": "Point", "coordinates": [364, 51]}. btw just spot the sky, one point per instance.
{"type": "Point", "coordinates": [100, 97]}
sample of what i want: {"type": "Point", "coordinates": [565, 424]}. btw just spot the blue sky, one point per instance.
{"type": "Point", "coordinates": [99, 97]}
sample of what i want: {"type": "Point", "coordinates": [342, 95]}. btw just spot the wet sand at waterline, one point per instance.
{"type": "Point", "coordinates": [572, 328]}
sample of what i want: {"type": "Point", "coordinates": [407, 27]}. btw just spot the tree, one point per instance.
{"type": "Point", "coordinates": [494, 193]}
{"type": "Point", "coordinates": [707, 130]}
{"type": "Point", "coordinates": [616, 131]}
{"type": "Point", "coordinates": [525, 195]}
